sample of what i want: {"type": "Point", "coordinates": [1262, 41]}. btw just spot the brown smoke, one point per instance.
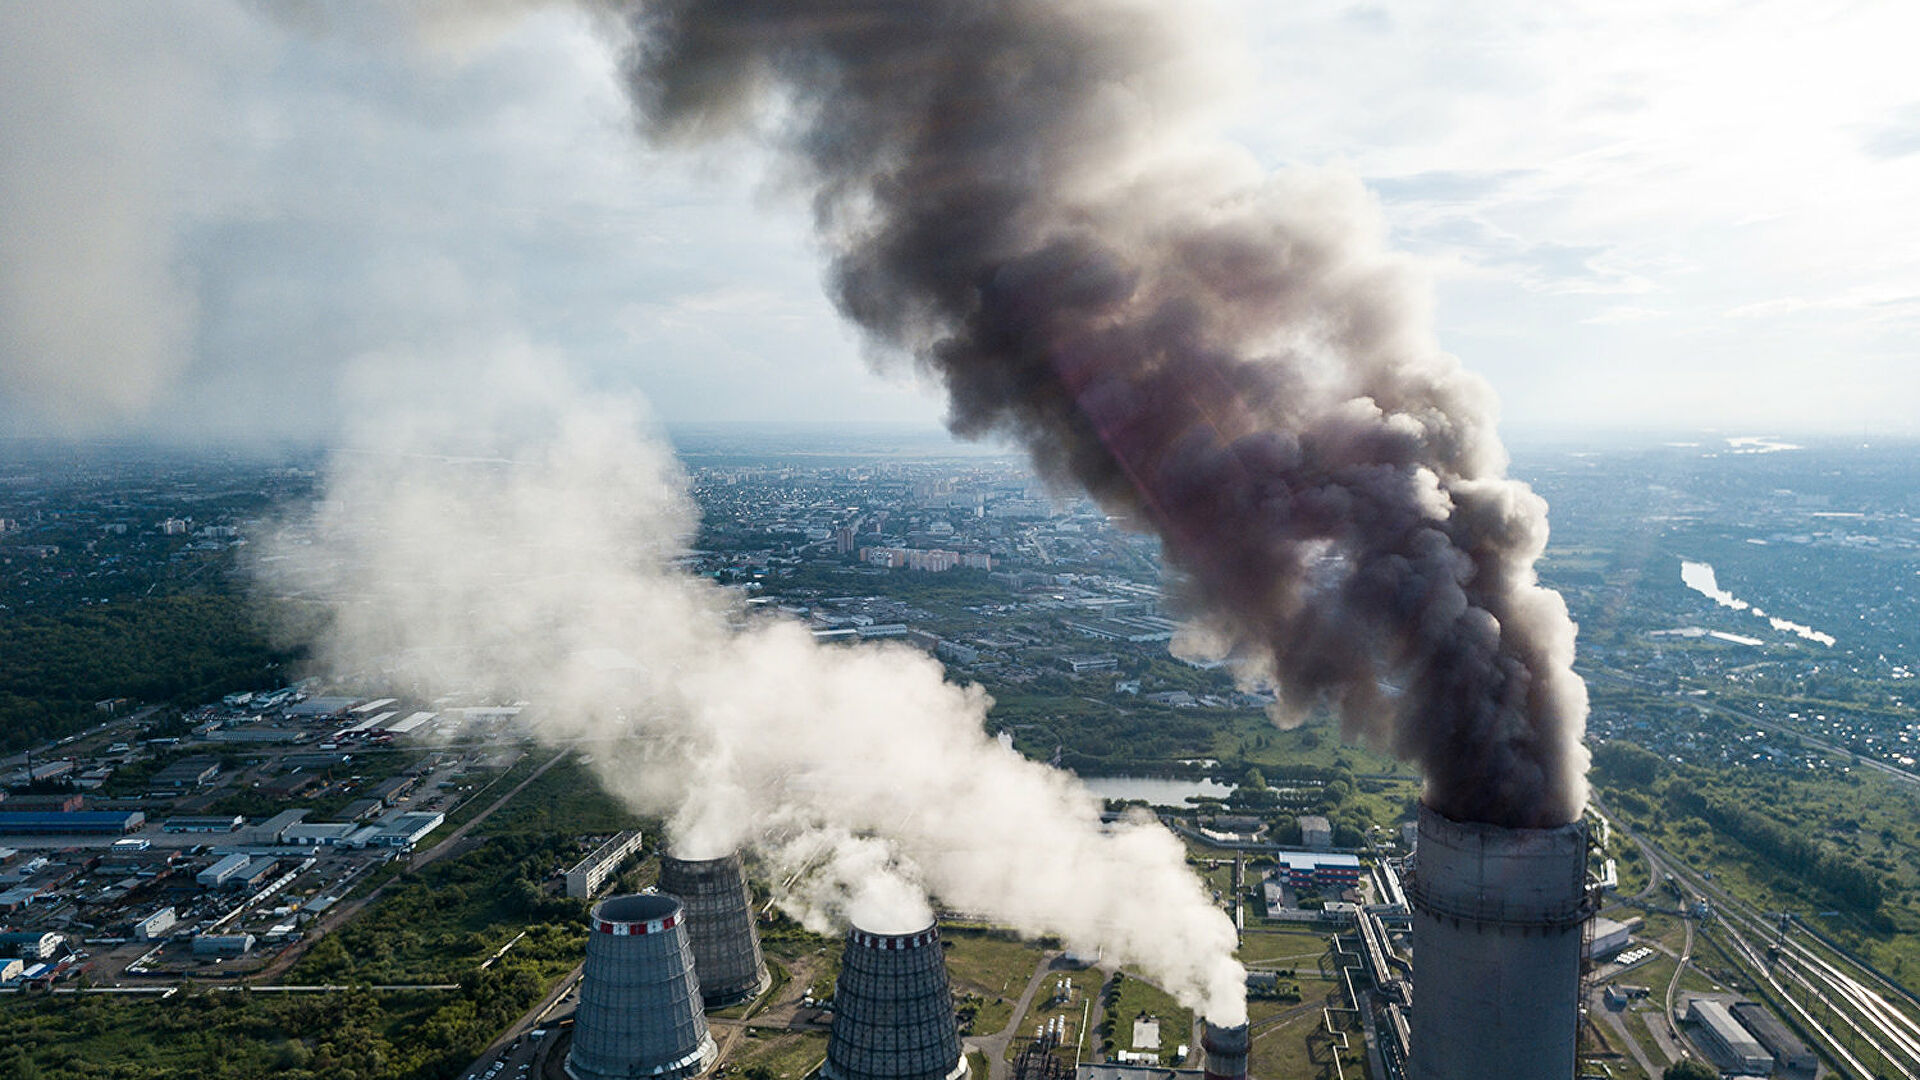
{"type": "Point", "coordinates": [1013, 192]}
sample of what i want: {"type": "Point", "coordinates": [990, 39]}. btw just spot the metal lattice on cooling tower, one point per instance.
{"type": "Point", "coordinates": [1496, 950]}
{"type": "Point", "coordinates": [726, 947]}
{"type": "Point", "coordinates": [893, 1012]}
{"type": "Point", "coordinates": [639, 1013]}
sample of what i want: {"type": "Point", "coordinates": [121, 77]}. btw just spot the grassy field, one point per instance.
{"type": "Point", "coordinates": [989, 970]}
{"type": "Point", "coordinates": [787, 1055]}
{"type": "Point", "coordinates": [1131, 998]}
{"type": "Point", "coordinates": [1283, 948]}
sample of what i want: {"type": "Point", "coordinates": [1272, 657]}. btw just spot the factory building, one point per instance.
{"type": "Point", "coordinates": [216, 875]}
{"type": "Point", "coordinates": [318, 833]}
{"type": "Point", "coordinates": [223, 944]}
{"type": "Point", "coordinates": [726, 946]}
{"type": "Point", "coordinates": [1318, 870]}
{"type": "Point", "coordinates": [1606, 937]}
{"type": "Point", "coordinates": [639, 1013]}
{"type": "Point", "coordinates": [1497, 918]}
{"type": "Point", "coordinates": [78, 821]}
{"type": "Point", "coordinates": [1786, 1047]}
{"type": "Point", "coordinates": [405, 830]}
{"type": "Point", "coordinates": [1316, 832]}
{"type": "Point", "coordinates": [191, 773]}
{"type": "Point", "coordinates": [1726, 1039]}
{"type": "Point", "coordinates": [893, 1013]}
{"type": "Point", "coordinates": [30, 944]}
{"type": "Point", "coordinates": [154, 925]}
{"type": "Point", "coordinates": [203, 823]}
{"type": "Point", "coordinates": [587, 875]}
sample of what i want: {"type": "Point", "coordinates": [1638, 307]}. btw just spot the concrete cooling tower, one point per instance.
{"type": "Point", "coordinates": [1226, 1051]}
{"type": "Point", "coordinates": [639, 1013]}
{"type": "Point", "coordinates": [726, 947]}
{"type": "Point", "coordinates": [1497, 917]}
{"type": "Point", "coordinates": [893, 1012]}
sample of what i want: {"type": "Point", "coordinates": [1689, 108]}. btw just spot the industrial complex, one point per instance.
{"type": "Point", "coordinates": [1458, 949]}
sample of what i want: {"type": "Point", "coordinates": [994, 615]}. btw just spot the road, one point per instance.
{"type": "Point", "coordinates": [994, 1046]}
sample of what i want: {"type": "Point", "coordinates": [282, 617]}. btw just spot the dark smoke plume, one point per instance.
{"type": "Point", "coordinates": [1012, 192]}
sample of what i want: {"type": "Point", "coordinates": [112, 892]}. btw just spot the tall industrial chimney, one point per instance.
{"type": "Point", "coordinates": [639, 1013]}
{"type": "Point", "coordinates": [1496, 950]}
{"type": "Point", "coordinates": [726, 947]}
{"type": "Point", "coordinates": [892, 1011]}
{"type": "Point", "coordinates": [1226, 1051]}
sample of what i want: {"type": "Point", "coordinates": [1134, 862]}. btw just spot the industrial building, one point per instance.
{"type": "Point", "coordinates": [1726, 1039]}
{"type": "Point", "coordinates": [30, 944]}
{"type": "Point", "coordinates": [203, 823]}
{"type": "Point", "coordinates": [1786, 1047]}
{"type": "Point", "coordinates": [1497, 919]}
{"type": "Point", "coordinates": [404, 830]}
{"type": "Point", "coordinates": [587, 875]}
{"type": "Point", "coordinates": [639, 1013]}
{"type": "Point", "coordinates": [154, 925]}
{"type": "Point", "coordinates": [726, 945]}
{"type": "Point", "coordinates": [79, 821]}
{"type": "Point", "coordinates": [223, 944]}
{"type": "Point", "coordinates": [1606, 937]}
{"type": "Point", "coordinates": [893, 1013]}
{"type": "Point", "coordinates": [190, 773]}
{"type": "Point", "coordinates": [216, 875]}
{"type": "Point", "coordinates": [1318, 870]}
{"type": "Point", "coordinates": [318, 833]}
{"type": "Point", "coordinates": [1316, 832]}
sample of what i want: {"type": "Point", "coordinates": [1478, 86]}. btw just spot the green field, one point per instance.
{"type": "Point", "coordinates": [989, 970]}
{"type": "Point", "coordinates": [1130, 998]}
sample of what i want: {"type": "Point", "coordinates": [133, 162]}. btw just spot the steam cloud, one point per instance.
{"type": "Point", "coordinates": [1016, 194]}
{"type": "Point", "coordinates": [520, 540]}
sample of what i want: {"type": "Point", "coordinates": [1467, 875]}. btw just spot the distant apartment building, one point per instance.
{"type": "Point", "coordinates": [926, 560]}
{"type": "Point", "coordinates": [587, 875]}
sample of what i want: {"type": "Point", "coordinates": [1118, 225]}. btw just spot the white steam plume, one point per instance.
{"type": "Point", "coordinates": [523, 543]}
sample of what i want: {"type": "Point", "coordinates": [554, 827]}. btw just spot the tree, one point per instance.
{"type": "Point", "coordinates": [1689, 1069]}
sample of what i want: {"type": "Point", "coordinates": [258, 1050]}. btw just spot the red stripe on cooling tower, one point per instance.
{"type": "Point", "coordinates": [637, 929]}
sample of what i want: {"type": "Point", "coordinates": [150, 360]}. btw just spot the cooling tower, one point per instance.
{"type": "Point", "coordinates": [1496, 950]}
{"type": "Point", "coordinates": [726, 947]}
{"type": "Point", "coordinates": [639, 1013]}
{"type": "Point", "coordinates": [892, 1012]}
{"type": "Point", "coordinates": [1226, 1051]}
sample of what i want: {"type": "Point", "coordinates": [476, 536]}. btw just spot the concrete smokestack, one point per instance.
{"type": "Point", "coordinates": [639, 1012]}
{"type": "Point", "coordinates": [893, 1012]}
{"type": "Point", "coordinates": [1226, 1051]}
{"type": "Point", "coordinates": [726, 946]}
{"type": "Point", "coordinates": [1497, 914]}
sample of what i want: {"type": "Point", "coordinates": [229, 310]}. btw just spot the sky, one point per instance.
{"type": "Point", "coordinates": [227, 219]}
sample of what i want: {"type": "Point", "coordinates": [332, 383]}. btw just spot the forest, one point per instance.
{"type": "Point", "coordinates": [182, 649]}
